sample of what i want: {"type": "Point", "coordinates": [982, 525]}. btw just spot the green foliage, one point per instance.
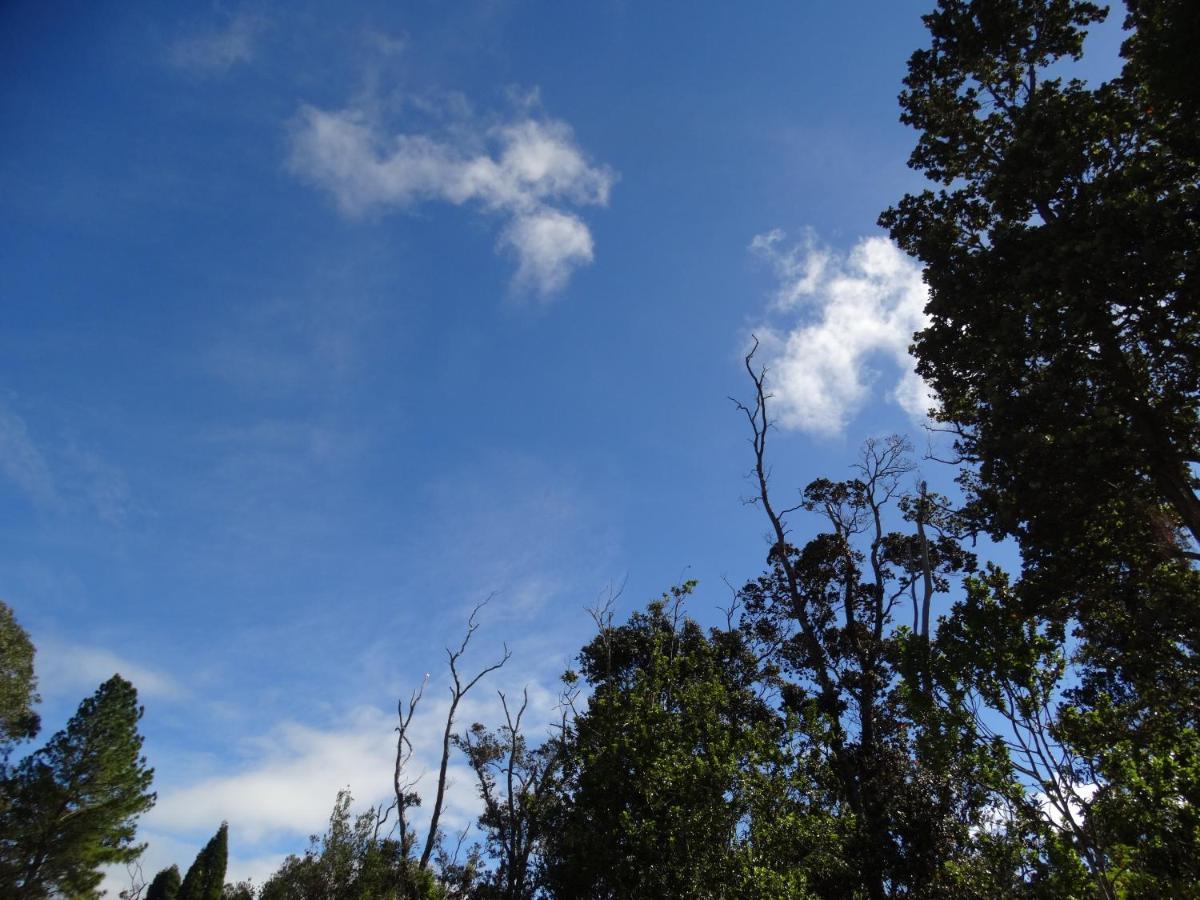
{"type": "Point", "coordinates": [70, 807]}
{"type": "Point", "coordinates": [351, 862]}
{"type": "Point", "coordinates": [516, 784]}
{"type": "Point", "coordinates": [887, 782]}
{"type": "Point", "coordinates": [1061, 264]}
{"type": "Point", "coordinates": [1040, 740]}
{"type": "Point", "coordinates": [659, 768]}
{"type": "Point", "coordinates": [205, 878]}
{"type": "Point", "coordinates": [165, 885]}
{"type": "Point", "coordinates": [1064, 343]}
{"type": "Point", "coordinates": [18, 685]}
{"type": "Point", "coordinates": [243, 890]}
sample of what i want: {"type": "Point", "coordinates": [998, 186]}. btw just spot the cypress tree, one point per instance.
{"type": "Point", "coordinates": [165, 885]}
{"type": "Point", "coordinates": [205, 879]}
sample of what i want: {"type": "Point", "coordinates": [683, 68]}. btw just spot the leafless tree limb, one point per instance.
{"type": "Point", "coordinates": [459, 687]}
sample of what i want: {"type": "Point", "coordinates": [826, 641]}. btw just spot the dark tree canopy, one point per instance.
{"type": "Point", "coordinates": [165, 885]}
{"type": "Point", "coordinates": [205, 878]}
{"type": "Point", "coordinates": [1062, 253]}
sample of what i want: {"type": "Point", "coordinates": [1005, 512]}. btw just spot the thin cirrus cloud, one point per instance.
{"type": "Point", "coordinates": [67, 669]}
{"type": "Point", "coordinates": [22, 463]}
{"type": "Point", "coordinates": [524, 171]}
{"type": "Point", "coordinates": [216, 51]}
{"type": "Point", "coordinates": [839, 329]}
{"type": "Point", "coordinates": [60, 478]}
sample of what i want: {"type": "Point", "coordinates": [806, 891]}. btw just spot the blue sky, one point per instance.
{"type": "Point", "coordinates": [321, 323]}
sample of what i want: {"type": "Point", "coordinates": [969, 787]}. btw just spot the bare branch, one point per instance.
{"type": "Point", "coordinates": [458, 689]}
{"type": "Point", "coordinates": [404, 797]}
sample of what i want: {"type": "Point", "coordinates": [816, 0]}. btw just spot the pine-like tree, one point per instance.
{"type": "Point", "coordinates": [70, 808]}
{"type": "Point", "coordinates": [18, 686]}
{"type": "Point", "coordinates": [165, 885]}
{"type": "Point", "coordinates": [205, 879]}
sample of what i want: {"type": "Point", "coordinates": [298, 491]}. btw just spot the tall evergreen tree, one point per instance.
{"type": "Point", "coordinates": [205, 878]}
{"type": "Point", "coordinates": [165, 885]}
{"type": "Point", "coordinates": [71, 806]}
{"type": "Point", "coordinates": [18, 685]}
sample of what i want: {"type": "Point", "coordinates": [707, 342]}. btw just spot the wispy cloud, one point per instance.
{"type": "Point", "coordinates": [62, 475]}
{"type": "Point", "coordinates": [292, 773]}
{"type": "Point", "coordinates": [102, 485]}
{"type": "Point", "coordinates": [288, 782]}
{"type": "Point", "coordinates": [66, 669]}
{"type": "Point", "coordinates": [214, 51]}
{"type": "Point", "coordinates": [22, 463]}
{"type": "Point", "coordinates": [525, 171]}
{"type": "Point", "coordinates": [852, 320]}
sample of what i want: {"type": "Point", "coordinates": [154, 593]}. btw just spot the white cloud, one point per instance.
{"type": "Point", "coordinates": [216, 51]}
{"type": "Point", "coordinates": [290, 782]}
{"type": "Point", "coordinates": [293, 773]}
{"type": "Point", "coordinates": [856, 311]}
{"type": "Point", "coordinates": [289, 775]}
{"type": "Point", "coordinates": [74, 670]}
{"type": "Point", "coordinates": [799, 268]}
{"type": "Point", "coordinates": [1072, 797]}
{"type": "Point", "coordinates": [522, 170]}
{"type": "Point", "coordinates": [549, 245]}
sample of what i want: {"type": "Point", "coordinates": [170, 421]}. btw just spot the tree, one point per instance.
{"type": "Point", "coordinates": [18, 684]}
{"type": "Point", "coordinates": [1061, 263]}
{"type": "Point", "coordinates": [405, 797]}
{"type": "Point", "coordinates": [515, 783]}
{"type": "Point", "coordinates": [886, 769]}
{"type": "Point", "coordinates": [205, 878]}
{"type": "Point", "coordinates": [165, 885]}
{"type": "Point", "coordinates": [658, 768]}
{"type": "Point", "coordinates": [350, 861]}
{"type": "Point", "coordinates": [1061, 256]}
{"type": "Point", "coordinates": [71, 806]}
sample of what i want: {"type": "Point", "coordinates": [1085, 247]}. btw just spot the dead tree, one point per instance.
{"type": "Point", "coordinates": [405, 794]}
{"type": "Point", "coordinates": [839, 593]}
{"type": "Point", "coordinates": [460, 685]}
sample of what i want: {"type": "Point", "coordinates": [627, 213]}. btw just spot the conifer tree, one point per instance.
{"type": "Point", "coordinates": [70, 808]}
{"type": "Point", "coordinates": [205, 879]}
{"type": "Point", "coordinates": [18, 686]}
{"type": "Point", "coordinates": [165, 885]}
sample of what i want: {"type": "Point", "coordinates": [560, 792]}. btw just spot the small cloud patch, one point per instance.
{"type": "Point", "coordinates": [853, 317]}
{"type": "Point", "coordinates": [215, 51]}
{"type": "Point", "coordinates": [524, 171]}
